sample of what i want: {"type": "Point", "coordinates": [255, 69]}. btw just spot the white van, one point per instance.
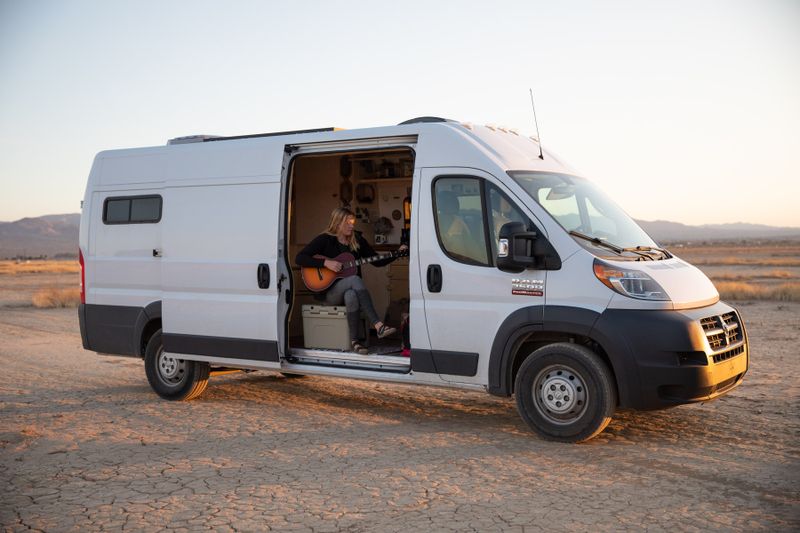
{"type": "Point", "coordinates": [552, 293]}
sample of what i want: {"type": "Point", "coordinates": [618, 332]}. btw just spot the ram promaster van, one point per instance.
{"type": "Point", "coordinates": [549, 293]}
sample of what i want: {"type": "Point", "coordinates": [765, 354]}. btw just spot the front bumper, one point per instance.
{"type": "Point", "coordinates": [667, 358]}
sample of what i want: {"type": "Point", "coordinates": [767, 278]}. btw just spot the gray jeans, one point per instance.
{"type": "Point", "coordinates": [354, 295]}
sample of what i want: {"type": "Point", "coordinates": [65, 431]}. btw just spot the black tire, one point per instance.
{"type": "Point", "coordinates": [170, 378]}
{"type": "Point", "coordinates": [565, 393]}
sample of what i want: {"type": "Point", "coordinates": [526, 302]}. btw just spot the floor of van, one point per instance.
{"type": "Point", "coordinates": [384, 354]}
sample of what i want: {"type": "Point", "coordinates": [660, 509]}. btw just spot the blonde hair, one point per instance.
{"type": "Point", "coordinates": [339, 215]}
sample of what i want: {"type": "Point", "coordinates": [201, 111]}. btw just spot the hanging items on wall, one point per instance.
{"type": "Point", "coordinates": [382, 227]}
{"type": "Point", "coordinates": [345, 192]}
{"type": "Point", "coordinates": [365, 193]}
{"type": "Point", "coordinates": [346, 187]}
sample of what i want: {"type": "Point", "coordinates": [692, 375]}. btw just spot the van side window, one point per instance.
{"type": "Point", "coordinates": [458, 208]}
{"type": "Point", "coordinates": [132, 210]}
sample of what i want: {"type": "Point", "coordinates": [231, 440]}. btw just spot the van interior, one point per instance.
{"type": "Point", "coordinates": [376, 186]}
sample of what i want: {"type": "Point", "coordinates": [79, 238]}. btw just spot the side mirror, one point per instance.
{"type": "Point", "coordinates": [518, 249]}
{"type": "Point", "coordinates": [515, 247]}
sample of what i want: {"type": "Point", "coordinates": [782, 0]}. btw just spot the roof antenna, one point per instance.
{"type": "Point", "coordinates": [536, 122]}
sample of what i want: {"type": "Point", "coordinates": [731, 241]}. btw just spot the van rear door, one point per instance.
{"type": "Point", "coordinates": [218, 262]}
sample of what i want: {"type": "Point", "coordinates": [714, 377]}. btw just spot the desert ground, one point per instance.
{"type": "Point", "coordinates": [86, 445]}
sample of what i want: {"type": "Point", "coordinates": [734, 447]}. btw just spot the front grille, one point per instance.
{"type": "Point", "coordinates": [722, 331]}
{"type": "Point", "coordinates": [730, 354]}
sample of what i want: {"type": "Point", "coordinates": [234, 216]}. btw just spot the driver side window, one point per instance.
{"type": "Point", "coordinates": [458, 207]}
{"type": "Point", "coordinates": [469, 213]}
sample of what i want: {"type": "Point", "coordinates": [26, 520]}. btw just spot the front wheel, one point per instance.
{"type": "Point", "coordinates": [170, 377]}
{"type": "Point", "coordinates": [565, 393]}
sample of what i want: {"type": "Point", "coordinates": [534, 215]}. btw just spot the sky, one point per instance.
{"type": "Point", "coordinates": [686, 111]}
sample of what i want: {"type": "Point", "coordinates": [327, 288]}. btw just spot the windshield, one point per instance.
{"type": "Point", "coordinates": [581, 207]}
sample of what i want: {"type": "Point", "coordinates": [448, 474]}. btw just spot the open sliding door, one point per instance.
{"type": "Point", "coordinates": [315, 179]}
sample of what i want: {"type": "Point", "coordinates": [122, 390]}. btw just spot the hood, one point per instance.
{"type": "Point", "coordinates": [686, 285]}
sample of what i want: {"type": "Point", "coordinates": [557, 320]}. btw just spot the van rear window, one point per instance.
{"type": "Point", "coordinates": [132, 210]}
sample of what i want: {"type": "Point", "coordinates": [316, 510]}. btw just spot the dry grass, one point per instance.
{"type": "Point", "coordinates": [735, 290]}
{"type": "Point", "coordinates": [749, 261]}
{"type": "Point", "coordinates": [786, 249]}
{"type": "Point", "coordinates": [39, 267]}
{"type": "Point", "coordinates": [773, 274]}
{"type": "Point", "coordinates": [785, 254]}
{"type": "Point", "coordinates": [787, 292]}
{"type": "Point", "coordinates": [51, 297]}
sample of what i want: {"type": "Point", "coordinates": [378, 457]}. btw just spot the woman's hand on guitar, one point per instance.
{"type": "Point", "coordinates": [332, 265]}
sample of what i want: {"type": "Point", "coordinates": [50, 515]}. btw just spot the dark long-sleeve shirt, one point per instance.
{"type": "Point", "coordinates": [329, 246]}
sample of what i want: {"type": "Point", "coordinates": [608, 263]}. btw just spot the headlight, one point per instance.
{"type": "Point", "coordinates": [632, 283]}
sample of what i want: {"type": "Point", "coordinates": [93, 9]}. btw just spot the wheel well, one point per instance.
{"type": "Point", "coordinates": [534, 341]}
{"type": "Point", "coordinates": [149, 329]}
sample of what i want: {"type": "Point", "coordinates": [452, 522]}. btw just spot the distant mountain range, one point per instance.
{"type": "Point", "coordinates": [50, 235]}
{"type": "Point", "coordinates": [57, 235]}
{"type": "Point", "coordinates": [665, 231]}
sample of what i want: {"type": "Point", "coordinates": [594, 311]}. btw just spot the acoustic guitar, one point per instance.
{"type": "Point", "coordinates": [317, 279]}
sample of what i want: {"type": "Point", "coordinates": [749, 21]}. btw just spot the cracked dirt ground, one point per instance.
{"type": "Point", "coordinates": [86, 445]}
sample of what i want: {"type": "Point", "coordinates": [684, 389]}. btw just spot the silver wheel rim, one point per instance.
{"type": "Point", "coordinates": [559, 393]}
{"type": "Point", "coordinates": [171, 371]}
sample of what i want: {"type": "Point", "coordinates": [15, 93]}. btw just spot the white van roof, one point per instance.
{"type": "Point", "coordinates": [440, 143]}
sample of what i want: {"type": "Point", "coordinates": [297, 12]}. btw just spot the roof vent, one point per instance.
{"type": "Point", "coordinates": [420, 120]}
{"type": "Point", "coordinates": [191, 139]}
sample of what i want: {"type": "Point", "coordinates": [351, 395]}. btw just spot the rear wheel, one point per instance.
{"type": "Point", "coordinates": [170, 377]}
{"type": "Point", "coordinates": [565, 392]}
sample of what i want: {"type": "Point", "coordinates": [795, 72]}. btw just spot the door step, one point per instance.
{"type": "Point", "coordinates": [389, 363]}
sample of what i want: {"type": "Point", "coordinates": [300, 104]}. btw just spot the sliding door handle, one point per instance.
{"type": "Point", "coordinates": [263, 276]}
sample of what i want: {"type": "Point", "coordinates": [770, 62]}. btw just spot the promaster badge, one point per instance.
{"type": "Point", "coordinates": [527, 287]}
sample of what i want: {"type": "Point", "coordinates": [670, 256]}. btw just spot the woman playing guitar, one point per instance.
{"type": "Point", "coordinates": [337, 239]}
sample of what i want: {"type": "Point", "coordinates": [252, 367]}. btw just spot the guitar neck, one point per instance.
{"type": "Point", "coordinates": [367, 260]}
